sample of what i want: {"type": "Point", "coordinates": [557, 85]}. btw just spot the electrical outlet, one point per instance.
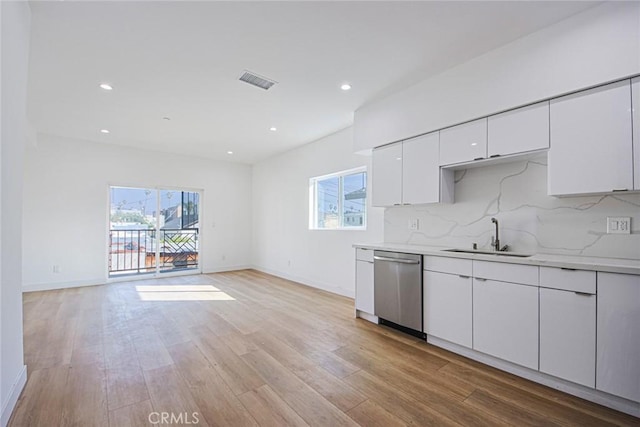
{"type": "Point", "coordinates": [618, 225]}
{"type": "Point", "coordinates": [56, 268]}
{"type": "Point", "coordinates": [413, 224]}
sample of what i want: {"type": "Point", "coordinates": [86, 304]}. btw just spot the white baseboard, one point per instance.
{"type": "Point", "coordinates": [34, 287]}
{"type": "Point", "coordinates": [226, 268]}
{"type": "Point", "coordinates": [14, 394]}
{"type": "Point", "coordinates": [307, 282]}
{"type": "Point", "coordinates": [592, 395]}
{"type": "Point", "coordinates": [366, 316]}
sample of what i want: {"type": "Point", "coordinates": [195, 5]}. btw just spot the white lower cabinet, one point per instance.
{"type": "Point", "coordinates": [448, 307]}
{"type": "Point", "coordinates": [505, 321]}
{"type": "Point", "coordinates": [364, 280]}
{"type": "Point", "coordinates": [568, 335]}
{"type": "Point", "coordinates": [364, 286]}
{"type": "Point", "coordinates": [618, 349]}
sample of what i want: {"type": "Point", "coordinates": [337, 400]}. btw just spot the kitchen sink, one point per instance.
{"type": "Point", "coordinates": [475, 251]}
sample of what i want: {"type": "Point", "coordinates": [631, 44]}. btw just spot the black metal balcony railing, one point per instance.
{"type": "Point", "coordinates": [137, 251]}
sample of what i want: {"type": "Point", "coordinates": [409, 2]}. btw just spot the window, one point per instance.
{"type": "Point", "coordinates": [338, 201]}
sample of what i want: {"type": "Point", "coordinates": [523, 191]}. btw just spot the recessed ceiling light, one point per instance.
{"type": "Point", "coordinates": [229, 152]}
{"type": "Point", "coordinates": [474, 143]}
{"type": "Point", "coordinates": [104, 130]}
{"type": "Point", "coordinates": [273, 129]}
{"type": "Point", "coordinates": [106, 86]}
{"type": "Point", "coordinates": [345, 86]}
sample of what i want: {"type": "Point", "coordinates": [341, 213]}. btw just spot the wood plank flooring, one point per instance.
{"type": "Point", "coordinates": [248, 349]}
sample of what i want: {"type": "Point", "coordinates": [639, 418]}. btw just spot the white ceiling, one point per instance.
{"type": "Point", "coordinates": [183, 59]}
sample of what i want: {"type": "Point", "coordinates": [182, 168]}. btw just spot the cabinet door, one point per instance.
{"type": "Point", "coordinates": [464, 143]}
{"type": "Point", "coordinates": [387, 175]}
{"type": "Point", "coordinates": [505, 321]}
{"type": "Point", "coordinates": [618, 360]}
{"type": "Point", "coordinates": [364, 286]}
{"type": "Point", "coordinates": [635, 94]}
{"type": "Point", "coordinates": [421, 170]}
{"type": "Point", "coordinates": [568, 335]}
{"type": "Point", "coordinates": [591, 145]}
{"type": "Point", "coordinates": [519, 131]}
{"type": "Point", "coordinates": [447, 307]}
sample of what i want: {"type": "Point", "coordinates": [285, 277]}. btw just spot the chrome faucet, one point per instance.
{"type": "Point", "coordinates": [495, 241]}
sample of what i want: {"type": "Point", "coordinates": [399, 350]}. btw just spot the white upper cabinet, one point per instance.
{"type": "Point", "coordinates": [635, 95]}
{"type": "Point", "coordinates": [408, 173]}
{"type": "Point", "coordinates": [387, 175]}
{"type": "Point", "coordinates": [421, 181]}
{"type": "Point", "coordinates": [591, 143]}
{"type": "Point", "coordinates": [519, 131]}
{"type": "Point", "coordinates": [464, 142]}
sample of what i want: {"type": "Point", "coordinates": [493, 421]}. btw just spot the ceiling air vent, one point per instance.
{"type": "Point", "coordinates": [256, 80]}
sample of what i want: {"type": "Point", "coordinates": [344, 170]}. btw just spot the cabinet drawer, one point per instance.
{"type": "Point", "coordinates": [448, 265]}
{"type": "Point", "coordinates": [503, 272]}
{"type": "Point", "coordinates": [568, 279]}
{"type": "Point", "coordinates": [364, 255]}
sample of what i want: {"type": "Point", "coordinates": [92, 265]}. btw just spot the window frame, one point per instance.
{"type": "Point", "coordinates": [313, 199]}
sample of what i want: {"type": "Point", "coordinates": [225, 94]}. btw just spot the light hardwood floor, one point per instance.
{"type": "Point", "coordinates": [245, 349]}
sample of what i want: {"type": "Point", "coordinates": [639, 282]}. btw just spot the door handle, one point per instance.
{"type": "Point", "coordinates": [399, 260]}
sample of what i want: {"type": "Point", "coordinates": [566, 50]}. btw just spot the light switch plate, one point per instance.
{"type": "Point", "coordinates": [618, 225]}
{"type": "Point", "coordinates": [413, 224]}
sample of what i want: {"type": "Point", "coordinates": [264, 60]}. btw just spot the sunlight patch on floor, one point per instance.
{"type": "Point", "coordinates": [182, 293]}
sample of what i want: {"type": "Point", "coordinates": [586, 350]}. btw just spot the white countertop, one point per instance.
{"type": "Point", "coordinates": [611, 265]}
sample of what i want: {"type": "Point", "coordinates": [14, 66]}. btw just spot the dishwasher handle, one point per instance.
{"type": "Point", "coordinates": [398, 260]}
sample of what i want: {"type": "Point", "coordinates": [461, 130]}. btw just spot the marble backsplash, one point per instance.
{"type": "Point", "coordinates": [530, 220]}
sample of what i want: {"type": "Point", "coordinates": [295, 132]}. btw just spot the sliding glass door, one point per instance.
{"type": "Point", "coordinates": [153, 231]}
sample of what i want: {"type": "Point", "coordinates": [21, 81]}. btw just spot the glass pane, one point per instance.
{"type": "Point", "coordinates": [190, 206]}
{"type": "Point", "coordinates": [178, 238]}
{"type": "Point", "coordinates": [327, 203]}
{"type": "Point", "coordinates": [354, 202]}
{"type": "Point", "coordinates": [131, 229]}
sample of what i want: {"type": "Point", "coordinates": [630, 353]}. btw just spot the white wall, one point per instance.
{"type": "Point", "coordinates": [530, 221]}
{"type": "Point", "coordinates": [66, 206]}
{"type": "Point", "coordinates": [319, 258]}
{"type": "Point", "coordinates": [596, 46]}
{"type": "Point", "coordinates": [15, 19]}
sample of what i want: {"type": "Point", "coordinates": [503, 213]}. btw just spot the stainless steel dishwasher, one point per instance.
{"type": "Point", "coordinates": [397, 284]}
